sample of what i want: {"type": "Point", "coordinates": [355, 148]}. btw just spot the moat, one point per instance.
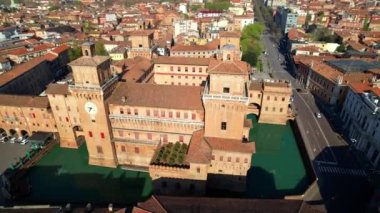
{"type": "Point", "coordinates": [63, 175]}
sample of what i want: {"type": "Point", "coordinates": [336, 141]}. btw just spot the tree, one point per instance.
{"type": "Point", "coordinates": [325, 35]}
{"type": "Point", "coordinates": [99, 48]}
{"type": "Point", "coordinates": [341, 48]}
{"type": "Point", "coordinates": [218, 5]}
{"type": "Point", "coordinates": [195, 7]}
{"type": "Point", "coordinates": [74, 52]}
{"type": "Point", "coordinates": [251, 43]}
{"type": "Point", "coordinates": [366, 24]}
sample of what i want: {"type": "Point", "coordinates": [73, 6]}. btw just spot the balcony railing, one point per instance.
{"type": "Point", "coordinates": [223, 97]}
{"type": "Point", "coordinates": [94, 87]}
{"type": "Point", "coordinates": [137, 141]}
{"type": "Point", "coordinates": [154, 119]}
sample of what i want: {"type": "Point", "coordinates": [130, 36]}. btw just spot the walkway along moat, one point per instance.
{"type": "Point", "coordinates": [63, 175]}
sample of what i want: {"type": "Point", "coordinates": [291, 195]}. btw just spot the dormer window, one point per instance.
{"type": "Point", "coordinates": [226, 90]}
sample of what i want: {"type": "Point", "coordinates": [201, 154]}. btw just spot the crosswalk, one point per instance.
{"type": "Point", "coordinates": [342, 171]}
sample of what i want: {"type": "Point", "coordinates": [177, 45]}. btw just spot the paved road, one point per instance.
{"type": "Point", "coordinates": [342, 183]}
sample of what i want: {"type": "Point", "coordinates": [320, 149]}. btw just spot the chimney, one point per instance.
{"type": "Point", "coordinates": [124, 99]}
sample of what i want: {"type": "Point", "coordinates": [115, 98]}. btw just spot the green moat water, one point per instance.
{"type": "Point", "coordinates": [63, 175]}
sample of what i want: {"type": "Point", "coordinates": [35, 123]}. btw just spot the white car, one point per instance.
{"type": "Point", "coordinates": [24, 141]}
{"type": "Point", "coordinates": [318, 115]}
{"type": "Point", "coordinates": [12, 140]}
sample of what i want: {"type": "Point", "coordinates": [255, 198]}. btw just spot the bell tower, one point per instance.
{"type": "Point", "coordinates": [93, 83]}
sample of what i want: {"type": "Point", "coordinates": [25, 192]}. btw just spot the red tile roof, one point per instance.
{"type": "Point", "coordinates": [230, 145]}
{"type": "Point", "coordinates": [19, 70]}
{"type": "Point", "coordinates": [34, 49]}
{"type": "Point", "coordinates": [24, 101]}
{"type": "Point", "coordinates": [159, 96]}
{"type": "Point", "coordinates": [363, 87]}
{"type": "Point", "coordinates": [60, 49]}
{"type": "Point", "coordinates": [229, 67]}
{"type": "Point", "coordinates": [199, 151]}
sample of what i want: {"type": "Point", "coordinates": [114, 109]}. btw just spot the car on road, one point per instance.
{"type": "Point", "coordinates": [318, 115]}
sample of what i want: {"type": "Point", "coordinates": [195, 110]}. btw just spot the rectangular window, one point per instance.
{"type": "Point", "coordinates": [165, 138]}
{"type": "Point", "coordinates": [258, 95]}
{"type": "Point", "coordinates": [223, 126]}
{"type": "Point", "coordinates": [268, 98]}
{"type": "Point", "coordinates": [121, 111]}
{"type": "Point", "coordinates": [171, 68]}
{"type": "Point", "coordinates": [170, 114]}
{"type": "Point", "coordinates": [57, 107]}
{"type": "Point", "coordinates": [137, 150]}
{"type": "Point", "coordinates": [193, 116]}
{"type": "Point", "coordinates": [186, 115]}
{"type": "Point", "coordinates": [149, 136]}
{"type": "Point", "coordinates": [245, 160]}
{"type": "Point", "coordinates": [179, 69]}
{"type": "Point", "coordinates": [123, 149]}
{"type": "Point", "coordinates": [221, 158]}
{"type": "Point", "coordinates": [226, 90]}
{"type": "Point", "coordinates": [283, 99]}
{"type": "Point", "coordinates": [162, 113]}
{"type": "Point", "coordinates": [198, 170]}
{"type": "Point", "coordinates": [90, 134]}
{"type": "Point", "coordinates": [102, 135]}
{"type": "Point", "coordinates": [178, 114]}
{"type": "Point", "coordinates": [280, 109]}
{"type": "Point", "coordinates": [266, 108]}
{"type": "Point", "coordinates": [180, 139]}
{"type": "Point", "coordinates": [137, 135]}
{"type": "Point", "coordinates": [274, 109]}
{"type": "Point", "coordinates": [229, 159]}
{"type": "Point", "coordinates": [213, 157]}
{"type": "Point", "coordinates": [120, 133]}
{"type": "Point", "coordinates": [275, 98]}
{"type": "Point", "coordinates": [186, 69]}
{"type": "Point", "coordinates": [155, 113]}
{"type": "Point", "coordinates": [128, 111]}
{"type": "Point", "coordinates": [136, 112]}
{"type": "Point", "coordinates": [200, 69]}
{"type": "Point", "coordinates": [99, 149]}
{"type": "Point", "coordinates": [237, 160]}
{"type": "Point", "coordinates": [68, 108]}
{"type": "Point", "coordinates": [67, 119]}
{"type": "Point", "coordinates": [193, 69]}
{"type": "Point", "coordinates": [147, 112]}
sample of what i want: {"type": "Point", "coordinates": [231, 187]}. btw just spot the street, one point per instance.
{"type": "Point", "coordinates": [343, 184]}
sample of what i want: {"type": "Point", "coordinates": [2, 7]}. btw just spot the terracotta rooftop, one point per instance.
{"type": "Point", "coordinates": [210, 46]}
{"type": "Point", "coordinates": [89, 61]}
{"type": "Point", "coordinates": [229, 34]}
{"type": "Point", "coordinates": [19, 70]}
{"type": "Point", "coordinates": [309, 49]}
{"type": "Point", "coordinates": [182, 60]}
{"type": "Point", "coordinates": [24, 101]}
{"type": "Point", "coordinates": [199, 151]}
{"type": "Point", "coordinates": [60, 49]}
{"type": "Point", "coordinates": [34, 49]}
{"type": "Point", "coordinates": [230, 145]}
{"type": "Point", "coordinates": [256, 85]}
{"type": "Point", "coordinates": [363, 87]}
{"type": "Point", "coordinates": [159, 96]}
{"type": "Point", "coordinates": [136, 68]}
{"type": "Point", "coordinates": [141, 33]}
{"type": "Point", "coordinates": [62, 89]}
{"type": "Point", "coordinates": [229, 67]}
{"type": "Point", "coordinates": [356, 46]}
{"type": "Point", "coordinates": [150, 205]}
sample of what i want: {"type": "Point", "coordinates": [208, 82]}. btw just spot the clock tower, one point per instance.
{"type": "Point", "coordinates": [93, 83]}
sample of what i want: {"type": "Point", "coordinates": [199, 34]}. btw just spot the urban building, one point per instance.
{"type": "Point", "coordinates": [285, 19]}
{"type": "Point", "coordinates": [185, 27]}
{"type": "Point", "coordinates": [361, 117]}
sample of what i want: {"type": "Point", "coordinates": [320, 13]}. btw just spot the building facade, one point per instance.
{"type": "Point", "coordinates": [361, 117]}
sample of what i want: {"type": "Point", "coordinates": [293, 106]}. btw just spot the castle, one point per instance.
{"type": "Point", "coordinates": [188, 137]}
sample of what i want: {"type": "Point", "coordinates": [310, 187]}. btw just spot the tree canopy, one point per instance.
{"type": "Point", "coordinates": [218, 5]}
{"type": "Point", "coordinates": [250, 43]}
{"type": "Point", "coordinates": [325, 35]}
{"type": "Point", "coordinates": [99, 48]}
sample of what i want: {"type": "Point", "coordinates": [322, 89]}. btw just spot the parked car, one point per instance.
{"type": "Point", "coordinates": [318, 115]}
{"type": "Point", "coordinates": [12, 139]}
{"type": "Point", "coordinates": [24, 141]}
{"type": "Point", "coordinates": [6, 139]}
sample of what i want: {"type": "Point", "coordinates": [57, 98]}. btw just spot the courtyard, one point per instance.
{"type": "Point", "coordinates": [63, 176]}
{"type": "Point", "coordinates": [11, 153]}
